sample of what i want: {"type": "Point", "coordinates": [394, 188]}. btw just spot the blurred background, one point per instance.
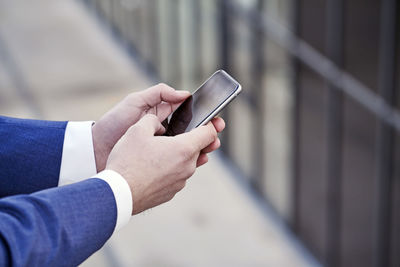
{"type": "Point", "coordinates": [307, 175]}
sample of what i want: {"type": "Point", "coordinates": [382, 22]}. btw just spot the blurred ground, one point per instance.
{"type": "Point", "coordinates": [57, 63]}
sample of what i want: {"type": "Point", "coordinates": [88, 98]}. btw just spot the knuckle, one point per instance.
{"type": "Point", "coordinates": [163, 86]}
{"type": "Point", "coordinates": [218, 143]}
{"type": "Point", "coordinates": [181, 185]}
{"type": "Point", "coordinates": [170, 196]}
{"type": "Point", "coordinates": [191, 169]}
{"type": "Point", "coordinates": [184, 151]}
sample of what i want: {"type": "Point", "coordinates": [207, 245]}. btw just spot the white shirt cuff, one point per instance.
{"type": "Point", "coordinates": [78, 161]}
{"type": "Point", "coordinates": [122, 195]}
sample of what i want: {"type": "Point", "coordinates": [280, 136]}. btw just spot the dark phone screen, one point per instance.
{"type": "Point", "coordinates": [194, 110]}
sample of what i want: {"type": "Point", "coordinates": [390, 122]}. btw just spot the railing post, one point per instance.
{"type": "Point", "coordinates": [334, 125]}
{"type": "Point", "coordinates": [225, 64]}
{"type": "Point", "coordinates": [258, 71]}
{"type": "Point", "coordinates": [385, 134]}
{"type": "Point", "coordinates": [295, 84]}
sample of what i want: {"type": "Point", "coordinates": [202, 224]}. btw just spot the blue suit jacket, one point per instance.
{"type": "Point", "coordinates": [40, 224]}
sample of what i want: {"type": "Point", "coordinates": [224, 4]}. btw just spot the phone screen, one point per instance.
{"type": "Point", "coordinates": [196, 109]}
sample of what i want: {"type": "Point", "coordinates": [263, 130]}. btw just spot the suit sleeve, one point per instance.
{"type": "Point", "coordinates": [56, 227]}
{"type": "Point", "coordinates": [30, 155]}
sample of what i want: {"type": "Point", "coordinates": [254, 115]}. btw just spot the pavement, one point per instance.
{"type": "Point", "coordinates": [57, 63]}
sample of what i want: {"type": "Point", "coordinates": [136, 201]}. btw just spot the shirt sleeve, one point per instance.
{"type": "Point", "coordinates": [122, 195]}
{"type": "Point", "coordinates": [78, 163]}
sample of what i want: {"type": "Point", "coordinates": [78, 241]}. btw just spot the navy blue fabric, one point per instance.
{"type": "Point", "coordinates": [56, 227]}
{"type": "Point", "coordinates": [30, 155]}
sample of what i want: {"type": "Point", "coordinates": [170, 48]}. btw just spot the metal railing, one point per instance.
{"type": "Point", "coordinates": [182, 42]}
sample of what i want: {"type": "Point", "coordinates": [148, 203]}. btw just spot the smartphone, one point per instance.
{"type": "Point", "coordinates": [204, 104]}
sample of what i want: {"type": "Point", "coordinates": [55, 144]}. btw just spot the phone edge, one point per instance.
{"type": "Point", "coordinates": [224, 104]}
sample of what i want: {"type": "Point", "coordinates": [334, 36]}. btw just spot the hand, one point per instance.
{"type": "Point", "coordinates": [157, 167]}
{"type": "Point", "coordinates": [219, 125]}
{"type": "Point", "coordinates": [160, 100]}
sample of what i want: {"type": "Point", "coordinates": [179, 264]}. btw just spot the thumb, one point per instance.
{"type": "Point", "coordinates": [150, 125]}
{"type": "Point", "coordinates": [163, 93]}
{"type": "Point", "coordinates": [201, 136]}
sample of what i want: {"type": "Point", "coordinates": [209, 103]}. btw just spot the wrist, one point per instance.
{"type": "Point", "coordinates": [118, 170]}
{"type": "Point", "coordinates": [122, 195]}
{"type": "Point", "coordinates": [100, 147]}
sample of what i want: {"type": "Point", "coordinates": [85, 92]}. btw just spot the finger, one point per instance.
{"type": "Point", "coordinates": [213, 146]}
{"type": "Point", "coordinates": [150, 124]}
{"type": "Point", "coordinates": [162, 92]}
{"type": "Point", "coordinates": [200, 137]}
{"type": "Point", "coordinates": [219, 124]}
{"type": "Point", "coordinates": [165, 109]}
{"type": "Point", "coordinates": [203, 159]}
